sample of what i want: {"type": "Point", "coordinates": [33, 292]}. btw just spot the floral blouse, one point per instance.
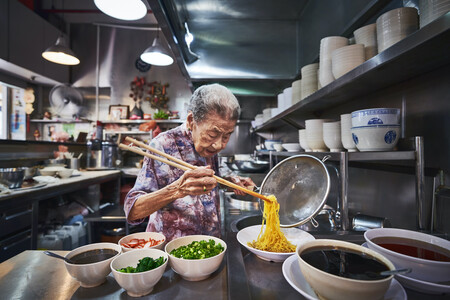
{"type": "Point", "coordinates": [184, 216]}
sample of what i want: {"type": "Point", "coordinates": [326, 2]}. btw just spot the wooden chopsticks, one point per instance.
{"type": "Point", "coordinates": [178, 163]}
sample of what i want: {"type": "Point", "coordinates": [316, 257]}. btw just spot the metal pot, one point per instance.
{"type": "Point", "coordinates": [301, 184]}
{"type": "Point", "coordinates": [12, 177]}
{"type": "Point", "coordinates": [102, 155]}
{"type": "Point", "coordinates": [252, 166]}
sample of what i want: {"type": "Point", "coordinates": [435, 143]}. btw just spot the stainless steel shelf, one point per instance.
{"type": "Point", "coordinates": [352, 156]}
{"type": "Point", "coordinates": [406, 59]}
{"type": "Point", "coordinates": [128, 132]}
{"type": "Point", "coordinates": [59, 121]}
{"type": "Point", "coordinates": [176, 121]}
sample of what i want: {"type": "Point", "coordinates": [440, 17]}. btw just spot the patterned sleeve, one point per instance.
{"type": "Point", "coordinates": [153, 176]}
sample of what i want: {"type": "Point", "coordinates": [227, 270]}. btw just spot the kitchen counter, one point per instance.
{"type": "Point", "coordinates": [34, 275]}
{"type": "Point", "coordinates": [62, 186]}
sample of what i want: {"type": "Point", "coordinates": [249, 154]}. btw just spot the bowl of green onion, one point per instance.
{"type": "Point", "coordinates": [139, 271]}
{"type": "Point", "coordinates": [195, 257]}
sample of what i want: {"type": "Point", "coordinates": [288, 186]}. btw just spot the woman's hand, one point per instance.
{"type": "Point", "coordinates": [196, 182]}
{"type": "Point", "coordinates": [246, 182]}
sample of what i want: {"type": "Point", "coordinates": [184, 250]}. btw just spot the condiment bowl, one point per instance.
{"type": "Point", "coordinates": [92, 274]}
{"type": "Point", "coordinates": [65, 173]}
{"type": "Point", "coordinates": [291, 147]}
{"type": "Point", "coordinates": [142, 236]}
{"type": "Point", "coordinates": [330, 286]}
{"type": "Point", "coordinates": [141, 283]}
{"type": "Point", "coordinates": [194, 269]}
{"type": "Point", "coordinates": [422, 269]}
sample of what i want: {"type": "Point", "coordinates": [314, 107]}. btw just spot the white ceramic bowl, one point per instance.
{"type": "Point", "coordinates": [314, 134]}
{"type": "Point", "coordinates": [303, 140]}
{"type": "Point", "coordinates": [422, 269]}
{"type": "Point", "coordinates": [50, 171]}
{"type": "Point", "coordinates": [143, 235]}
{"type": "Point", "coordinates": [345, 59]}
{"type": "Point", "coordinates": [376, 138]}
{"type": "Point", "coordinates": [376, 116]}
{"type": "Point", "coordinates": [339, 288]}
{"type": "Point", "coordinates": [294, 235]}
{"type": "Point", "coordinates": [278, 147]}
{"type": "Point", "coordinates": [91, 275]}
{"type": "Point", "coordinates": [194, 269]}
{"type": "Point", "coordinates": [65, 173]}
{"type": "Point", "coordinates": [346, 134]}
{"type": "Point", "coordinates": [142, 283]}
{"type": "Point", "coordinates": [291, 147]}
{"type": "Point", "coordinates": [332, 136]}
{"type": "Point", "coordinates": [269, 144]}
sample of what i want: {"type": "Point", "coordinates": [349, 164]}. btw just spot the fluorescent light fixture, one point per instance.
{"type": "Point", "coordinates": [122, 9]}
{"type": "Point", "coordinates": [156, 54]}
{"type": "Point", "coordinates": [60, 53]}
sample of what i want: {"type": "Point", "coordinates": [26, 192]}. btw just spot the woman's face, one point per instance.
{"type": "Point", "coordinates": [211, 135]}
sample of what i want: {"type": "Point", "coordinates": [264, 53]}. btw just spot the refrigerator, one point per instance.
{"type": "Point", "coordinates": [12, 112]}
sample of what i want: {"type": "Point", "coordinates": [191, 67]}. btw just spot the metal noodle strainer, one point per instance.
{"type": "Point", "coordinates": [301, 184]}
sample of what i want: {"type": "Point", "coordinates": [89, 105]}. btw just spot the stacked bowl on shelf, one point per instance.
{"type": "Point", "coordinates": [430, 10]}
{"type": "Point", "coordinates": [309, 83]}
{"type": "Point", "coordinates": [367, 35]}
{"type": "Point", "coordinates": [395, 25]}
{"type": "Point", "coordinates": [345, 59]}
{"type": "Point", "coordinates": [296, 91]}
{"type": "Point", "coordinates": [376, 129]}
{"type": "Point", "coordinates": [327, 46]}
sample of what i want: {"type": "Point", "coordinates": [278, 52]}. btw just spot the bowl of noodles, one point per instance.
{"type": "Point", "coordinates": [269, 241]}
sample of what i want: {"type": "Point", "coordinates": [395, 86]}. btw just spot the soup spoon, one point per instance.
{"type": "Point", "coordinates": [388, 272]}
{"type": "Point", "coordinates": [58, 256]}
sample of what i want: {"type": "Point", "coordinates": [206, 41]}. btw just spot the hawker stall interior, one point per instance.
{"type": "Point", "coordinates": [208, 149]}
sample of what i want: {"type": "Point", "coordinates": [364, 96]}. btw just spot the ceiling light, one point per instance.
{"type": "Point", "coordinates": [156, 54]}
{"type": "Point", "coordinates": [122, 9]}
{"type": "Point", "coordinates": [60, 53]}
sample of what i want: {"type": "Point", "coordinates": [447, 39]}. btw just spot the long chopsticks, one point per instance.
{"type": "Point", "coordinates": [178, 163]}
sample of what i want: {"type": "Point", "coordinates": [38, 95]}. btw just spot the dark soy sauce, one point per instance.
{"type": "Point", "coordinates": [93, 256]}
{"type": "Point", "coordinates": [344, 263]}
{"type": "Point", "coordinates": [414, 248]}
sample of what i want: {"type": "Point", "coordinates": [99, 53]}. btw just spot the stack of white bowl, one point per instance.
{"type": "Point", "coordinates": [281, 103]}
{"type": "Point", "coordinates": [296, 91]}
{"type": "Point", "coordinates": [259, 120]}
{"type": "Point", "coordinates": [367, 36]}
{"type": "Point", "coordinates": [332, 136]}
{"type": "Point", "coordinates": [314, 134]}
{"type": "Point", "coordinates": [303, 140]}
{"type": "Point", "coordinates": [267, 114]}
{"type": "Point", "coordinates": [395, 25]}
{"type": "Point", "coordinates": [376, 129]}
{"type": "Point", "coordinates": [345, 59]}
{"type": "Point", "coordinates": [430, 10]}
{"type": "Point", "coordinates": [309, 80]}
{"type": "Point", "coordinates": [287, 93]}
{"type": "Point", "coordinates": [346, 134]}
{"type": "Point", "coordinates": [327, 46]}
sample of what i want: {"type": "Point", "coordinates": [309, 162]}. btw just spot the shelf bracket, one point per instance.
{"type": "Point", "coordinates": [293, 123]}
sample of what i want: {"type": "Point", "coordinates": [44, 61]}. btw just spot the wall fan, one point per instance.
{"type": "Point", "coordinates": [66, 101]}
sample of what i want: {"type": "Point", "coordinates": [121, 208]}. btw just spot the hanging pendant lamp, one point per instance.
{"type": "Point", "coordinates": [60, 53]}
{"type": "Point", "coordinates": [122, 9]}
{"type": "Point", "coordinates": [156, 54]}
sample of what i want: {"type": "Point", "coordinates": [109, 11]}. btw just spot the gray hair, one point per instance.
{"type": "Point", "coordinates": [214, 98]}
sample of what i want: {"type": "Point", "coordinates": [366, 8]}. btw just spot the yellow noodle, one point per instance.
{"type": "Point", "coordinates": [272, 239]}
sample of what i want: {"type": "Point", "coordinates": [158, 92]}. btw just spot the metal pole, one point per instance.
{"type": "Point", "coordinates": [97, 76]}
{"type": "Point", "coordinates": [422, 211]}
{"type": "Point", "coordinates": [343, 205]}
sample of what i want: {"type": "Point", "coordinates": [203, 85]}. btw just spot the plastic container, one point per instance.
{"type": "Point", "coordinates": [49, 242]}
{"type": "Point", "coordinates": [82, 232]}
{"type": "Point", "coordinates": [73, 231]}
{"type": "Point", "coordinates": [65, 237]}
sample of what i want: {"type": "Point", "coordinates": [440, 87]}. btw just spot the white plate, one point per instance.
{"type": "Point", "coordinates": [294, 235]}
{"type": "Point", "coordinates": [419, 285]}
{"type": "Point", "coordinates": [293, 275]}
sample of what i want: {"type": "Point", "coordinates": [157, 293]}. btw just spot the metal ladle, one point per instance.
{"type": "Point", "coordinates": [58, 256]}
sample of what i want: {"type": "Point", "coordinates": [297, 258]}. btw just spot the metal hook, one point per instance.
{"type": "Point", "coordinates": [325, 158]}
{"type": "Point", "coordinates": [314, 223]}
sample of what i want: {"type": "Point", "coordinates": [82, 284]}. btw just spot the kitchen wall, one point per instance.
{"type": "Point", "coordinates": [119, 50]}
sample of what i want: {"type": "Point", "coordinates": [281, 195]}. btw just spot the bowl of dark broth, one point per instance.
{"type": "Point", "coordinates": [428, 256]}
{"type": "Point", "coordinates": [90, 263]}
{"type": "Point", "coordinates": [341, 270]}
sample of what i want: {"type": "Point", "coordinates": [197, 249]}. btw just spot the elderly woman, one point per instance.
{"type": "Point", "coordinates": [183, 203]}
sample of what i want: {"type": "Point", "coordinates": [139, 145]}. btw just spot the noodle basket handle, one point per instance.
{"type": "Point", "coordinates": [314, 222]}
{"type": "Point", "coordinates": [325, 158]}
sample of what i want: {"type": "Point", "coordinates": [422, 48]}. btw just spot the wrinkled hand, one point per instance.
{"type": "Point", "coordinates": [196, 182]}
{"type": "Point", "coordinates": [246, 182]}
